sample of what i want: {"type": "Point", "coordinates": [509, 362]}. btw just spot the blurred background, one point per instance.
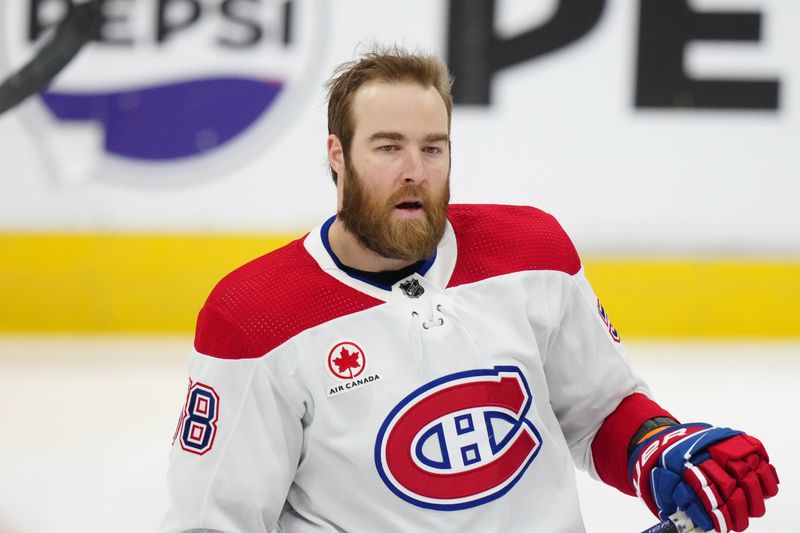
{"type": "Point", "coordinates": [189, 137]}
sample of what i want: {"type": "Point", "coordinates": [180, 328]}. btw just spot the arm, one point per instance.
{"type": "Point", "coordinates": [604, 411]}
{"type": "Point", "coordinates": [717, 476]}
{"type": "Point", "coordinates": [589, 375]}
{"type": "Point", "coordinates": [239, 439]}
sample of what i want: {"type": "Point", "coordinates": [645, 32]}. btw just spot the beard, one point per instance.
{"type": "Point", "coordinates": [371, 219]}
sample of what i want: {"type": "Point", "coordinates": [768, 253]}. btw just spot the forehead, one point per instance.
{"type": "Point", "coordinates": [403, 107]}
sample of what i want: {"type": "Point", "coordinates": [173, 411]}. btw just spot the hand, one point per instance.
{"type": "Point", "coordinates": [718, 476]}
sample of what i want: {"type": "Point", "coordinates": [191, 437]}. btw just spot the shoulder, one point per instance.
{"type": "Point", "coordinates": [269, 300]}
{"type": "Point", "coordinates": [494, 240]}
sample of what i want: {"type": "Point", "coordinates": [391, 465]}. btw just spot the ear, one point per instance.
{"type": "Point", "coordinates": [335, 154]}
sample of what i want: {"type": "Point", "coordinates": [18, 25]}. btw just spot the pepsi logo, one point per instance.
{"type": "Point", "coordinates": [192, 85]}
{"type": "Point", "coordinates": [460, 441]}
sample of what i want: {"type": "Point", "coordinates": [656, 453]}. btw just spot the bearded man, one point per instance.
{"type": "Point", "coordinates": [415, 366]}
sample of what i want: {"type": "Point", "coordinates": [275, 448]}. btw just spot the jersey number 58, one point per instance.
{"type": "Point", "coordinates": [197, 426]}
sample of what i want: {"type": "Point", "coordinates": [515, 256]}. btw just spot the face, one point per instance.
{"type": "Point", "coordinates": [394, 184]}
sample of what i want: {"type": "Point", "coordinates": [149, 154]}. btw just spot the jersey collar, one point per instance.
{"type": "Point", "coordinates": [436, 270]}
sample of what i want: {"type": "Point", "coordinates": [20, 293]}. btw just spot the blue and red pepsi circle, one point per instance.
{"type": "Point", "coordinates": [174, 90]}
{"type": "Point", "coordinates": [459, 441]}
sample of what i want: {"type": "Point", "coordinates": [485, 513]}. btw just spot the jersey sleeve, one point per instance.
{"type": "Point", "coordinates": [587, 369]}
{"type": "Point", "coordinates": [237, 445]}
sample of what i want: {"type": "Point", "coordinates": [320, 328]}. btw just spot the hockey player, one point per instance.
{"type": "Point", "coordinates": [412, 366]}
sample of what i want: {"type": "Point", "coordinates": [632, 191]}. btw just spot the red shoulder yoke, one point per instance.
{"type": "Point", "coordinates": [269, 300]}
{"type": "Point", "coordinates": [501, 239]}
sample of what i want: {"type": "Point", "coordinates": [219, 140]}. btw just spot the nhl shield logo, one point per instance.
{"type": "Point", "coordinates": [171, 89]}
{"type": "Point", "coordinates": [412, 288]}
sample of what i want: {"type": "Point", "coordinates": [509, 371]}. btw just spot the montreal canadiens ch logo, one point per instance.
{"type": "Point", "coordinates": [460, 441]}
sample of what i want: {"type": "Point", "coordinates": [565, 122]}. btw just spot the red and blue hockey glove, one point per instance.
{"type": "Point", "coordinates": [717, 476]}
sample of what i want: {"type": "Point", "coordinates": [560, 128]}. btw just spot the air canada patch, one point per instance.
{"type": "Point", "coordinates": [347, 362]}
{"type": "Point", "coordinates": [460, 441]}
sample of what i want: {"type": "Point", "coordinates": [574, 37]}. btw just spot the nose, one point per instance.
{"type": "Point", "coordinates": [414, 171]}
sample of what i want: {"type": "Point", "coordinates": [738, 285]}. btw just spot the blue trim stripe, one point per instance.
{"type": "Point", "coordinates": [326, 243]}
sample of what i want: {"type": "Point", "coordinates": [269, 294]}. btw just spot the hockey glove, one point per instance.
{"type": "Point", "coordinates": [717, 476]}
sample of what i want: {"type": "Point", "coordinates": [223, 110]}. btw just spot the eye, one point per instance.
{"type": "Point", "coordinates": [432, 150]}
{"type": "Point", "coordinates": [388, 148]}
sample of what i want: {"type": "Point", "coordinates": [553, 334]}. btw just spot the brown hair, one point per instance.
{"type": "Point", "coordinates": [385, 64]}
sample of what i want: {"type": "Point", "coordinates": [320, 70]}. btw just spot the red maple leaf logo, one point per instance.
{"type": "Point", "coordinates": [347, 361]}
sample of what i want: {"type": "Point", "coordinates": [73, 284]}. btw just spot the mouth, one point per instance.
{"type": "Point", "coordinates": [409, 205]}
{"type": "Point", "coordinates": [409, 209]}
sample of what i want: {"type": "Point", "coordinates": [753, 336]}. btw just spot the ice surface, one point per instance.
{"type": "Point", "coordinates": [87, 422]}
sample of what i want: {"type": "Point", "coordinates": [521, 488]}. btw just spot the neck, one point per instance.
{"type": "Point", "coordinates": [355, 255]}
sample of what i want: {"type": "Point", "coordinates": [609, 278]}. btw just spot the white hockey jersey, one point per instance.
{"type": "Point", "coordinates": [455, 400]}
